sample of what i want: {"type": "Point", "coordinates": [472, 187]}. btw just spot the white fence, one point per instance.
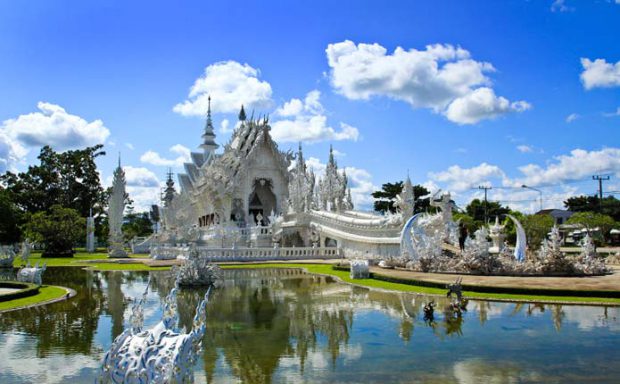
{"type": "Point", "coordinates": [247, 254]}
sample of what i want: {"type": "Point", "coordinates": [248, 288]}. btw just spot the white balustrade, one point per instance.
{"type": "Point", "coordinates": [247, 254]}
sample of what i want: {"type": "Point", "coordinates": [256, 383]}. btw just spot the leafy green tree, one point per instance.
{"type": "Point", "coordinates": [69, 179]}
{"type": "Point", "coordinates": [476, 209]}
{"type": "Point", "coordinates": [137, 225]}
{"type": "Point", "coordinates": [591, 220]}
{"type": "Point", "coordinates": [385, 198]}
{"type": "Point", "coordinates": [58, 230]}
{"type": "Point", "coordinates": [536, 228]}
{"type": "Point", "coordinates": [11, 219]}
{"type": "Point", "coordinates": [608, 206]}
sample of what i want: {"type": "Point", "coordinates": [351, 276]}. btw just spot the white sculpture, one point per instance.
{"type": "Point", "coordinates": [405, 200]}
{"type": "Point", "coordinates": [116, 208]}
{"type": "Point", "coordinates": [162, 354]}
{"type": "Point", "coordinates": [26, 250]}
{"type": "Point", "coordinates": [519, 252]}
{"type": "Point", "coordinates": [497, 236]}
{"type": "Point", "coordinates": [7, 255]}
{"type": "Point", "coordinates": [90, 233]}
{"type": "Point", "coordinates": [197, 271]}
{"type": "Point", "coordinates": [359, 269]}
{"type": "Point", "coordinates": [32, 275]}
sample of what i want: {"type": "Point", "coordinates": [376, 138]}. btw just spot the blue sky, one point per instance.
{"type": "Point", "coordinates": [499, 93]}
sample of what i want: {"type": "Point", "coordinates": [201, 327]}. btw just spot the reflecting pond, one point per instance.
{"type": "Point", "coordinates": [285, 326]}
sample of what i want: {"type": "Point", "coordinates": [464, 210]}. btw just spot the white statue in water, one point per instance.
{"type": "Point", "coordinates": [32, 275]}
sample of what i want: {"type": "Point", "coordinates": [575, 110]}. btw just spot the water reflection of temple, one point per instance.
{"type": "Point", "coordinates": [262, 319]}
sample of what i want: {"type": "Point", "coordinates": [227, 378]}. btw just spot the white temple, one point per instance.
{"type": "Point", "coordinates": [255, 197]}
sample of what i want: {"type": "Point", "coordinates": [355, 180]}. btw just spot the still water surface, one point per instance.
{"type": "Point", "coordinates": [284, 326]}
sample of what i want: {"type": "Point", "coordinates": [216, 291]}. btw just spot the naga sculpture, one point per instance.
{"type": "Point", "coordinates": [162, 354]}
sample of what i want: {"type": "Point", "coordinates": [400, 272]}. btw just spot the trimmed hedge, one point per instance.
{"type": "Point", "coordinates": [26, 290]}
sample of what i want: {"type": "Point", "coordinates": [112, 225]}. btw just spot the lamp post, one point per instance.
{"type": "Point", "coordinates": [537, 190]}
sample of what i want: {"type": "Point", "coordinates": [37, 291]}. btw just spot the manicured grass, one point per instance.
{"type": "Point", "coordinates": [80, 259]}
{"type": "Point", "coordinates": [45, 293]}
{"type": "Point", "coordinates": [326, 269]}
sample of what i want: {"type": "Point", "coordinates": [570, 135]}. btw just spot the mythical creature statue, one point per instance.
{"type": "Point", "coordinates": [7, 255]}
{"type": "Point", "coordinates": [197, 271]}
{"type": "Point", "coordinates": [359, 269]}
{"type": "Point", "coordinates": [162, 354]}
{"type": "Point", "coordinates": [32, 275]}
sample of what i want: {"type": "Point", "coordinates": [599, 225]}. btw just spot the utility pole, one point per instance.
{"type": "Point", "coordinates": [600, 180]}
{"type": "Point", "coordinates": [486, 204]}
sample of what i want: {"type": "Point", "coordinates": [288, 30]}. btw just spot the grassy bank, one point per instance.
{"type": "Point", "coordinates": [46, 293]}
{"type": "Point", "coordinates": [373, 283]}
{"type": "Point", "coordinates": [83, 259]}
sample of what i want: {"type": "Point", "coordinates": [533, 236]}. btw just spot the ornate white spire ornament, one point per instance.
{"type": "Point", "coordinates": [116, 207]}
{"type": "Point", "coordinates": [405, 200]}
{"type": "Point", "coordinates": [90, 233]}
{"type": "Point", "coordinates": [301, 186]}
{"type": "Point", "coordinates": [333, 186]}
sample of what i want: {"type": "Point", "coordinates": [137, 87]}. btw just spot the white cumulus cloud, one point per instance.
{"type": "Point", "coordinates": [305, 120]}
{"type": "Point", "coordinates": [600, 74]}
{"type": "Point", "coordinates": [461, 179]}
{"type": "Point", "coordinates": [525, 148]}
{"type": "Point", "coordinates": [50, 125]}
{"type": "Point", "coordinates": [229, 84]}
{"type": "Point", "coordinates": [431, 78]}
{"type": "Point", "coordinates": [480, 104]}
{"type": "Point", "coordinates": [154, 158]}
{"type": "Point", "coordinates": [574, 166]}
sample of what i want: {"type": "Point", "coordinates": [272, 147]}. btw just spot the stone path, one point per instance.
{"type": "Point", "coordinates": [608, 282]}
{"type": "Point", "coordinates": [4, 291]}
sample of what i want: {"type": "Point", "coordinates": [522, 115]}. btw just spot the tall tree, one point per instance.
{"type": "Point", "coordinates": [57, 229]}
{"type": "Point", "coordinates": [536, 228]}
{"type": "Point", "coordinates": [608, 206]}
{"type": "Point", "coordinates": [593, 220]}
{"type": "Point", "coordinates": [69, 179]}
{"type": "Point", "coordinates": [137, 225]}
{"type": "Point", "coordinates": [11, 219]}
{"type": "Point", "coordinates": [476, 209]}
{"type": "Point", "coordinates": [384, 199]}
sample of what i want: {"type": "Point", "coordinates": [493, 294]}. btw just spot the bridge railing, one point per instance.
{"type": "Point", "coordinates": [247, 254]}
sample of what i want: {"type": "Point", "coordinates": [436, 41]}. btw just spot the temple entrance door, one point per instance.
{"type": "Point", "coordinates": [261, 200]}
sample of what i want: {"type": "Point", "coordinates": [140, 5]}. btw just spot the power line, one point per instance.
{"type": "Point", "coordinates": [600, 179]}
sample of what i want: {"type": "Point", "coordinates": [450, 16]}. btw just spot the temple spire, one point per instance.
{"type": "Point", "coordinates": [208, 142]}
{"type": "Point", "coordinates": [169, 192]}
{"type": "Point", "coordinates": [242, 114]}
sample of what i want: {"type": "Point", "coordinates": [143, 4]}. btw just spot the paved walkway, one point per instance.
{"type": "Point", "coordinates": [608, 282]}
{"type": "Point", "coordinates": [4, 291]}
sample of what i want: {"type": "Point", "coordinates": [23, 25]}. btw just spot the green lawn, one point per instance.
{"type": "Point", "coordinates": [45, 293]}
{"type": "Point", "coordinates": [81, 259]}
{"type": "Point", "coordinates": [372, 283]}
